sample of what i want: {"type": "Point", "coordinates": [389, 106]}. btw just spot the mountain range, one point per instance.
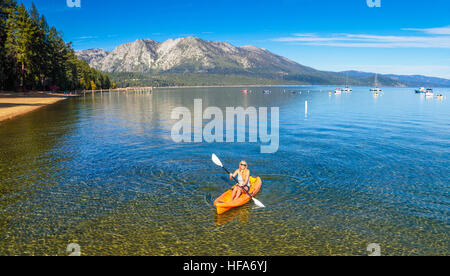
{"type": "Point", "coordinates": [192, 56]}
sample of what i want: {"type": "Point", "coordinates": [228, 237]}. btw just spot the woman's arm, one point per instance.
{"type": "Point", "coordinates": [246, 176]}
{"type": "Point", "coordinates": [234, 174]}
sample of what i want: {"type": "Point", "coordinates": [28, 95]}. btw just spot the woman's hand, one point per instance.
{"type": "Point", "coordinates": [231, 176]}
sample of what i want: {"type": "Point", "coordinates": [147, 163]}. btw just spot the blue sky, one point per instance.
{"type": "Point", "coordinates": [401, 37]}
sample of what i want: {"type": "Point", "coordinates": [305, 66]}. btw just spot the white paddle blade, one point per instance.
{"type": "Point", "coordinates": [216, 160]}
{"type": "Point", "coordinates": [258, 203]}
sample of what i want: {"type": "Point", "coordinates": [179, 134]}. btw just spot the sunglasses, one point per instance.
{"type": "Point", "coordinates": [245, 165]}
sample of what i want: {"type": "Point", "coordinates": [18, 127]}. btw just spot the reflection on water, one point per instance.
{"type": "Point", "coordinates": [102, 171]}
{"type": "Point", "coordinates": [242, 213]}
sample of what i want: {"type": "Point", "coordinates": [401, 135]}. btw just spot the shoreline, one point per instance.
{"type": "Point", "coordinates": [14, 104]}
{"type": "Point", "coordinates": [267, 85]}
{"type": "Point", "coordinates": [238, 86]}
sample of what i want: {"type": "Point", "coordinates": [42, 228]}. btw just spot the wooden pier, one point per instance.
{"type": "Point", "coordinates": [133, 90]}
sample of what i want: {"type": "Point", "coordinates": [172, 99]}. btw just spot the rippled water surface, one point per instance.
{"type": "Point", "coordinates": [102, 171]}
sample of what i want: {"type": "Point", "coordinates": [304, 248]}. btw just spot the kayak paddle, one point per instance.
{"type": "Point", "coordinates": [216, 161]}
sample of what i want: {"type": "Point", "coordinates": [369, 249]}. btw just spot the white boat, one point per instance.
{"type": "Point", "coordinates": [347, 89]}
{"type": "Point", "coordinates": [376, 89]}
{"type": "Point", "coordinates": [338, 91]}
{"type": "Point", "coordinates": [421, 90]}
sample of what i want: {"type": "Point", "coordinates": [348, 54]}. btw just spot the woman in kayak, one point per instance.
{"type": "Point", "coordinates": [243, 176]}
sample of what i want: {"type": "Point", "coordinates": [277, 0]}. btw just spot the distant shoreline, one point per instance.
{"type": "Point", "coordinates": [241, 85]}
{"type": "Point", "coordinates": [272, 85]}
{"type": "Point", "coordinates": [286, 85]}
{"type": "Point", "coordinates": [14, 104]}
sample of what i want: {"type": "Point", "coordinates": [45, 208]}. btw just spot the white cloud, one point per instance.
{"type": "Point", "coordinates": [87, 37]}
{"type": "Point", "coordinates": [435, 31]}
{"type": "Point", "coordinates": [435, 38]}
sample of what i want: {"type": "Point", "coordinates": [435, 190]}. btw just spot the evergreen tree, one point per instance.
{"type": "Point", "coordinates": [37, 49]}
{"type": "Point", "coordinates": [19, 34]}
{"type": "Point", "coordinates": [35, 56]}
{"type": "Point", "coordinates": [7, 8]}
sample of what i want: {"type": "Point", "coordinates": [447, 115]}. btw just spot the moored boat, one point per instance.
{"type": "Point", "coordinates": [376, 89]}
{"type": "Point", "coordinates": [347, 89]}
{"type": "Point", "coordinates": [421, 90]}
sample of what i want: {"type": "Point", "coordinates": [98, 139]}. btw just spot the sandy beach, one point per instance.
{"type": "Point", "coordinates": [15, 104]}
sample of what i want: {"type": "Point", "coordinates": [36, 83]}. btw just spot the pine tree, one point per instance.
{"type": "Point", "coordinates": [45, 53]}
{"type": "Point", "coordinates": [37, 49]}
{"type": "Point", "coordinates": [7, 7]}
{"type": "Point", "coordinates": [34, 55]}
{"type": "Point", "coordinates": [19, 34]}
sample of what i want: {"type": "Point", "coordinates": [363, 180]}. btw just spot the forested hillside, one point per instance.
{"type": "Point", "coordinates": [34, 56]}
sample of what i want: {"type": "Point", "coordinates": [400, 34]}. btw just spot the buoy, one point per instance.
{"type": "Point", "coordinates": [306, 108]}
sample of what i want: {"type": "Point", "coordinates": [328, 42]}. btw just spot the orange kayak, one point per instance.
{"type": "Point", "coordinates": [224, 204]}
